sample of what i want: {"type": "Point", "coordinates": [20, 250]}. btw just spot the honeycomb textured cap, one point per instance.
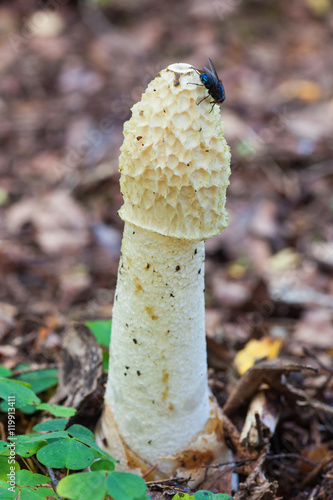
{"type": "Point", "coordinates": [175, 162]}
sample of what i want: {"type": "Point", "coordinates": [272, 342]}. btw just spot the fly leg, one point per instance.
{"type": "Point", "coordinates": [202, 100]}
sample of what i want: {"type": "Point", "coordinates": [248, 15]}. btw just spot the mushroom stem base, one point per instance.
{"type": "Point", "coordinates": [206, 448]}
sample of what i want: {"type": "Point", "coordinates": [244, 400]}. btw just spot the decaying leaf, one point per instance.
{"type": "Point", "coordinates": [257, 486]}
{"type": "Point", "coordinates": [265, 372]}
{"type": "Point", "coordinates": [81, 375]}
{"type": "Point", "coordinates": [60, 222]}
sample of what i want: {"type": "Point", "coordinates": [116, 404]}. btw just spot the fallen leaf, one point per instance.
{"type": "Point", "coordinates": [265, 372]}
{"type": "Point", "coordinates": [266, 348]}
{"type": "Point", "coordinates": [81, 388]}
{"type": "Point", "coordinates": [60, 222]}
{"type": "Point", "coordinates": [315, 329]}
{"type": "Point", "coordinates": [306, 90]}
{"type": "Point", "coordinates": [7, 315]}
{"type": "Point", "coordinates": [284, 260]}
{"type": "Point", "coordinates": [45, 24]}
{"type": "Point", "coordinates": [319, 7]}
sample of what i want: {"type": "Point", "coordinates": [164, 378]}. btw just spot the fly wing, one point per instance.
{"type": "Point", "coordinates": [213, 70]}
{"type": "Point", "coordinates": [209, 74]}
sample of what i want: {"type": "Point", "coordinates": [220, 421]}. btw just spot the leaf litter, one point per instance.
{"type": "Point", "coordinates": [66, 90]}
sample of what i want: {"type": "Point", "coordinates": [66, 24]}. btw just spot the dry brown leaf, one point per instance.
{"type": "Point", "coordinates": [315, 329]}
{"type": "Point", "coordinates": [60, 222]}
{"type": "Point", "coordinates": [7, 314]}
{"type": "Point", "coordinates": [268, 372]}
{"type": "Point", "coordinates": [81, 375]}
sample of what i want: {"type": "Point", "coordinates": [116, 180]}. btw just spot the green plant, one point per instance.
{"type": "Point", "coordinates": [202, 495]}
{"type": "Point", "coordinates": [56, 447]}
{"type": "Point", "coordinates": [24, 388]}
{"type": "Point", "coordinates": [101, 329]}
{"type": "Point", "coordinates": [28, 485]}
{"type": "Point", "coordinates": [72, 449]}
{"type": "Point", "coordinates": [26, 399]}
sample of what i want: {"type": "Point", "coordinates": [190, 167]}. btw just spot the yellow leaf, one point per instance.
{"type": "Point", "coordinates": [255, 350]}
{"type": "Point", "coordinates": [306, 90]}
{"type": "Point", "coordinates": [319, 7]}
{"type": "Point", "coordinates": [236, 270]}
{"type": "Point", "coordinates": [285, 260]}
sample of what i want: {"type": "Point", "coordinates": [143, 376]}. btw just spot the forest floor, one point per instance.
{"type": "Point", "coordinates": [67, 86]}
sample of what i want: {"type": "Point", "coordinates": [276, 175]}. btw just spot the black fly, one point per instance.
{"type": "Point", "coordinates": [210, 79]}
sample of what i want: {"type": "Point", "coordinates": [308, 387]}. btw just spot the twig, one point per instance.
{"type": "Point", "coordinates": [314, 492]}
{"type": "Point", "coordinates": [179, 480]}
{"type": "Point", "coordinates": [317, 405]}
{"type": "Point", "coordinates": [232, 462]}
{"type": "Point", "coordinates": [268, 457]}
{"type": "Point", "coordinates": [320, 363]}
{"type": "Point", "coordinates": [149, 471]}
{"type": "Point", "coordinates": [314, 472]}
{"type": "Point", "coordinates": [259, 429]}
{"type": "Point", "coordinates": [245, 487]}
{"type": "Point", "coordinates": [290, 455]}
{"type": "Point", "coordinates": [54, 480]}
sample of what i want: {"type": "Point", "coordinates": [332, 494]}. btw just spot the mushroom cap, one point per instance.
{"type": "Point", "coordinates": [175, 162]}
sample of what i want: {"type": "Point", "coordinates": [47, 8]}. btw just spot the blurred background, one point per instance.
{"type": "Point", "coordinates": [70, 72]}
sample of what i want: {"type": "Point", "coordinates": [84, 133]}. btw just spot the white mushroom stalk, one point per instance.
{"type": "Point", "coordinates": [175, 165]}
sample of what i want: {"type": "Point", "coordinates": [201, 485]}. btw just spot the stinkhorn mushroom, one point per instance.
{"type": "Point", "coordinates": [175, 165]}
